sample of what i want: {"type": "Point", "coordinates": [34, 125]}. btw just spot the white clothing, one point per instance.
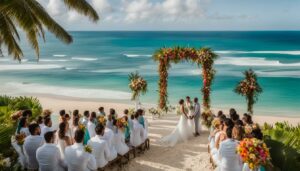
{"type": "Point", "coordinates": [21, 156]}
{"type": "Point", "coordinates": [91, 128]}
{"type": "Point", "coordinates": [100, 150]}
{"type": "Point", "coordinates": [45, 129]}
{"type": "Point", "coordinates": [31, 144]}
{"type": "Point", "coordinates": [41, 125]}
{"type": "Point", "coordinates": [61, 144]}
{"type": "Point", "coordinates": [84, 121]}
{"type": "Point", "coordinates": [49, 158]}
{"type": "Point", "coordinates": [109, 137]}
{"type": "Point", "coordinates": [145, 129]}
{"type": "Point", "coordinates": [73, 130]}
{"type": "Point", "coordinates": [137, 133]}
{"type": "Point", "coordinates": [25, 131]}
{"type": "Point", "coordinates": [79, 160]}
{"type": "Point", "coordinates": [230, 160]}
{"type": "Point", "coordinates": [119, 143]}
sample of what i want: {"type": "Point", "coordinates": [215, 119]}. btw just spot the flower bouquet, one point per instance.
{"type": "Point", "coordinates": [82, 127]}
{"type": "Point", "coordinates": [254, 153]}
{"type": "Point", "coordinates": [88, 149]}
{"type": "Point", "coordinates": [121, 123]}
{"type": "Point", "coordinates": [155, 112]}
{"type": "Point", "coordinates": [207, 118]}
{"type": "Point", "coordinates": [137, 85]}
{"type": "Point", "coordinates": [102, 120]}
{"type": "Point", "coordinates": [20, 138]}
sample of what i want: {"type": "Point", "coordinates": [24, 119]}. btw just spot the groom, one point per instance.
{"type": "Point", "coordinates": [196, 115]}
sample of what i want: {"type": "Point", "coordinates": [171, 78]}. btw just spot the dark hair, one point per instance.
{"type": "Point", "coordinates": [26, 113]}
{"type": "Point", "coordinates": [32, 127]}
{"type": "Point", "coordinates": [248, 118]}
{"type": "Point", "coordinates": [79, 135]}
{"type": "Point", "coordinates": [93, 116]}
{"type": "Point", "coordinates": [62, 112]}
{"type": "Point", "coordinates": [101, 108]}
{"type": "Point", "coordinates": [223, 118]}
{"type": "Point", "coordinates": [228, 122]}
{"type": "Point", "coordinates": [256, 133]}
{"type": "Point", "coordinates": [112, 111]}
{"type": "Point", "coordinates": [196, 99]}
{"type": "Point", "coordinates": [75, 113]}
{"type": "Point", "coordinates": [140, 111]}
{"type": "Point", "coordinates": [232, 111]}
{"type": "Point", "coordinates": [114, 122]}
{"type": "Point", "coordinates": [48, 136]}
{"type": "Point", "coordinates": [181, 101]}
{"type": "Point", "coordinates": [229, 132]}
{"type": "Point", "coordinates": [187, 97]}
{"type": "Point", "coordinates": [131, 117]}
{"type": "Point", "coordinates": [39, 120]}
{"type": "Point", "coordinates": [47, 120]}
{"type": "Point", "coordinates": [239, 123]}
{"type": "Point", "coordinates": [22, 121]}
{"type": "Point", "coordinates": [67, 116]}
{"type": "Point", "coordinates": [76, 121]}
{"type": "Point", "coordinates": [240, 132]}
{"type": "Point", "coordinates": [99, 129]}
{"type": "Point", "coordinates": [126, 111]}
{"type": "Point", "coordinates": [136, 115]}
{"type": "Point", "coordinates": [61, 132]}
{"type": "Point", "coordinates": [220, 113]}
{"type": "Point", "coordinates": [86, 113]}
{"type": "Point", "coordinates": [235, 117]}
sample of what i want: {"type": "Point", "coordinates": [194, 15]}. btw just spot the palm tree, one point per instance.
{"type": "Point", "coordinates": [31, 17]}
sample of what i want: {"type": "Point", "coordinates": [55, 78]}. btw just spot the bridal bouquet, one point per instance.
{"type": "Point", "coordinates": [254, 152]}
{"type": "Point", "coordinates": [137, 84]}
{"type": "Point", "coordinates": [102, 120]}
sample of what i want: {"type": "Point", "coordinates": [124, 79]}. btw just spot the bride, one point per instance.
{"type": "Point", "coordinates": [183, 130]}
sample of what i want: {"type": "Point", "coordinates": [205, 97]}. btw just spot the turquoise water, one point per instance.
{"type": "Point", "coordinates": [102, 61]}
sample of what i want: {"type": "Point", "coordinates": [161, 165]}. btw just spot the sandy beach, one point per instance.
{"type": "Point", "coordinates": [190, 156]}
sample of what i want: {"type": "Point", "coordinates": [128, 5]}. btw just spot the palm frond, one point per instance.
{"type": "Point", "coordinates": [82, 7]}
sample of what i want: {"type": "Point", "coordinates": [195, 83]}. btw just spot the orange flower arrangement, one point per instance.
{"type": "Point", "coordinates": [20, 138]}
{"type": "Point", "coordinates": [254, 152]}
{"type": "Point", "coordinates": [121, 123]}
{"type": "Point", "coordinates": [102, 120]}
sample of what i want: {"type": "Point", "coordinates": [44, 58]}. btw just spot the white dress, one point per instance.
{"type": "Point", "coordinates": [61, 144]}
{"type": "Point", "coordinates": [191, 122]}
{"type": "Point", "coordinates": [109, 137]}
{"type": "Point", "coordinates": [181, 133]}
{"type": "Point", "coordinates": [119, 143]}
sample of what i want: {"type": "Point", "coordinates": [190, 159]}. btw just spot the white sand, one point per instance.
{"type": "Point", "coordinates": [190, 156]}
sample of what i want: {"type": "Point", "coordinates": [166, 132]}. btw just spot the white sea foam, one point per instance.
{"type": "Point", "coordinates": [294, 74]}
{"type": "Point", "coordinates": [252, 61]}
{"type": "Point", "coordinates": [20, 88]}
{"type": "Point", "coordinates": [8, 67]}
{"type": "Point", "coordinates": [136, 55]}
{"type": "Point", "coordinates": [84, 59]}
{"type": "Point", "coordinates": [53, 60]}
{"type": "Point", "coordinates": [118, 70]}
{"type": "Point", "coordinates": [260, 52]}
{"type": "Point", "coordinates": [59, 55]}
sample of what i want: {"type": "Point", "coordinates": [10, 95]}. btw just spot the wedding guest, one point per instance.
{"type": "Point", "coordinates": [76, 158]}
{"type": "Point", "coordinates": [127, 127]}
{"type": "Point", "coordinates": [238, 132]}
{"type": "Point", "coordinates": [67, 118]}
{"type": "Point", "coordinates": [91, 125]}
{"type": "Point", "coordinates": [220, 113]}
{"type": "Point", "coordinates": [247, 119]}
{"type": "Point", "coordinates": [62, 114]}
{"type": "Point", "coordinates": [63, 139]}
{"type": "Point", "coordinates": [119, 140]}
{"type": "Point", "coordinates": [230, 160]}
{"type": "Point", "coordinates": [109, 122]}
{"type": "Point", "coordinates": [40, 121]}
{"type": "Point", "coordinates": [85, 119]}
{"type": "Point", "coordinates": [31, 144]}
{"type": "Point", "coordinates": [232, 111]}
{"type": "Point", "coordinates": [100, 147]}
{"type": "Point", "coordinates": [109, 137]}
{"type": "Point", "coordinates": [47, 113]}
{"type": "Point", "coordinates": [239, 123]}
{"type": "Point", "coordinates": [112, 112]}
{"type": "Point", "coordinates": [217, 127]}
{"type": "Point", "coordinates": [141, 118]}
{"type": "Point", "coordinates": [47, 126]}
{"type": "Point", "coordinates": [235, 117]}
{"type": "Point", "coordinates": [137, 132]}
{"type": "Point", "coordinates": [75, 114]}
{"type": "Point", "coordinates": [48, 155]}
{"type": "Point", "coordinates": [256, 133]}
{"type": "Point", "coordinates": [101, 111]}
{"type": "Point", "coordinates": [27, 113]}
{"type": "Point", "coordinates": [75, 126]}
{"type": "Point", "coordinates": [23, 127]}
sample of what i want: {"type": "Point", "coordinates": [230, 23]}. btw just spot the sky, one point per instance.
{"type": "Point", "coordinates": [196, 15]}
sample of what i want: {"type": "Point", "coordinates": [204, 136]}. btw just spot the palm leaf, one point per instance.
{"type": "Point", "coordinates": [82, 7]}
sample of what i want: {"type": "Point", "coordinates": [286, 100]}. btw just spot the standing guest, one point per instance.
{"type": "Point", "coordinates": [75, 126]}
{"type": "Point", "coordinates": [75, 113]}
{"type": "Point", "coordinates": [247, 119]}
{"type": "Point", "coordinates": [100, 147]}
{"type": "Point", "coordinates": [47, 113]}
{"type": "Point", "coordinates": [85, 119]}
{"type": "Point", "coordinates": [63, 139]}
{"type": "Point", "coordinates": [27, 113]}
{"type": "Point", "coordinates": [47, 126]}
{"type": "Point", "coordinates": [31, 144]}
{"type": "Point", "coordinates": [238, 132]}
{"type": "Point", "coordinates": [23, 127]}
{"type": "Point", "coordinates": [40, 121]}
{"type": "Point", "coordinates": [220, 113]}
{"type": "Point", "coordinates": [109, 137]}
{"type": "Point", "coordinates": [137, 132]}
{"type": "Point", "coordinates": [62, 114]}
{"type": "Point", "coordinates": [112, 112]}
{"type": "Point", "coordinates": [91, 125]}
{"type": "Point", "coordinates": [141, 118]}
{"type": "Point", "coordinates": [101, 111]}
{"type": "Point", "coordinates": [230, 160]}
{"type": "Point", "coordinates": [119, 140]}
{"type": "Point", "coordinates": [76, 158]}
{"type": "Point", "coordinates": [48, 155]}
{"type": "Point", "coordinates": [109, 122]}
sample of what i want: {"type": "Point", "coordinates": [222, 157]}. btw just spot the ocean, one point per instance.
{"type": "Point", "coordinates": [96, 66]}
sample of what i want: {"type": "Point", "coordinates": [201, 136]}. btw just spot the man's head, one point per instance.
{"type": "Point", "coordinates": [86, 114]}
{"type": "Point", "coordinates": [79, 135]}
{"type": "Point", "coordinates": [101, 109]}
{"type": "Point", "coordinates": [27, 113]}
{"type": "Point", "coordinates": [34, 129]}
{"type": "Point", "coordinates": [93, 116]}
{"type": "Point", "coordinates": [48, 122]}
{"type": "Point", "coordinates": [62, 113]}
{"type": "Point", "coordinates": [229, 132]}
{"type": "Point", "coordinates": [99, 129]}
{"type": "Point", "coordinates": [49, 137]}
{"type": "Point", "coordinates": [126, 111]}
{"type": "Point", "coordinates": [196, 100]}
{"type": "Point", "coordinates": [188, 98]}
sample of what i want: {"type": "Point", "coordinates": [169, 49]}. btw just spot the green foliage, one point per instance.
{"type": "Point", "coordinates": [284, 142]}
{"type": "Point", "coordinates": [23, 103]}
{"type": "Point", "coordinates": [5, 100]}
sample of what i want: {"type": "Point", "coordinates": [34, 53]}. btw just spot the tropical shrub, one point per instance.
{"type": "Point", "coordinates": [23, 103]}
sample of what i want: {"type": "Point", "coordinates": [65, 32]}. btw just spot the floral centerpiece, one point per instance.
{"type": "Point", "coordinates": [138, 86]}
{"type": "Point", "coordinates": [102, 120]}
{"type": "Point", "coordinates": [154, 112]}
{"type": "Point", "coordinates": [207, 118]}
{"type": "Point", "coordinates": [254, 152]}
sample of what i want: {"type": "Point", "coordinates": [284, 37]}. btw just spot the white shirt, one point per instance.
{"type": "Point", "coordinates": [230, 160]}
{"type": "Point", "coordinates": [100, 150]}
{"type": "Point", "coordinates": [49, 158]}
{"type": "Point", "coordinates": [79, 160]}
{"type": "Point", "coordinates": [137, 134]}
{"type": "Point", "coordinates": [109, 137]}
{"type": "Point", "coordinates": [84, 121]}
{"type": "Point", "coordinates": [45, 129]}
{"type": "Point", "coordinates": [91, 128]}
{"type": "Point", "coordinates": [25, 131]}
{"type": "Point", "coordinates": [31, 144]}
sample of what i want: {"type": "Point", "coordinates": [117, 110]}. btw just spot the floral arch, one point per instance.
{"type": "Point", "coordinates": [203, 57]}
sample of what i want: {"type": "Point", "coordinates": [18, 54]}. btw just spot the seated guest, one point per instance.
{"type": "Point", "coordinates": [109, 122]}
{"type": "Point", "coordinates": [23, 127]}
{"type": "Point", "coordinates": [75, 114]}
{"type": "Point", "coordinates": [217, 127]}
{"type": "Point", "coordinates": [91, 125]}
{"type": "Point", "coordinates": [100, 147]}
{"type": "Point", "coordinates": [230, 160]}
{"type": "Point", "coordinates": [76, 158]}
{"type": "Point", "coordinates": [48, 155]}
{"type": "Point", "coordinates": [247, 119]}
{"type": "Point", "coordinates": [239, 123]}
{"type": "Point", "coordinates": [27, 113]}
{"type": "Point", "coordinates": [137, 132]}
{"type": "Point", "coordinates": [256, 133]}
{"type": "Point", "coordinates": [47, 113]}
{"type": "Point", "coordinates": [85, 119]}
{"type": "Point", "coordinates": [238, 133]}
{"type": "Point", "coordinates": [127, 128]}
{"type": "Point", "coordinates": [113, 114]}
{"type": "Point", "coordinates": [62, 114]}
{"type": "Point", "coordinates": [47, 126]}
{"type": "Point", "coordinates": [40, 121]}
{"type": "Point", "coordinates": [31, 144]}
{"type": "Point", "coordinates": [220, 113]}
{"type": "Point", "coordinates": [63, 139]}
{"type": "Point", "coordinates": [119, 140]}
{"type": "Point", "coordinates": [101, 111]}
{"type": "Point", "coordinates": [109, 137]}
{"type": "Point", "coordinates": [141, 118]}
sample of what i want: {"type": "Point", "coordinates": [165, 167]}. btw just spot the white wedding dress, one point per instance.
{"type": "Point", "coordinates": [181, 133]}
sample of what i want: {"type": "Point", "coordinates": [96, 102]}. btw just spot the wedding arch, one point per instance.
{"type": "Point", "coordinates": [203, 57]}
